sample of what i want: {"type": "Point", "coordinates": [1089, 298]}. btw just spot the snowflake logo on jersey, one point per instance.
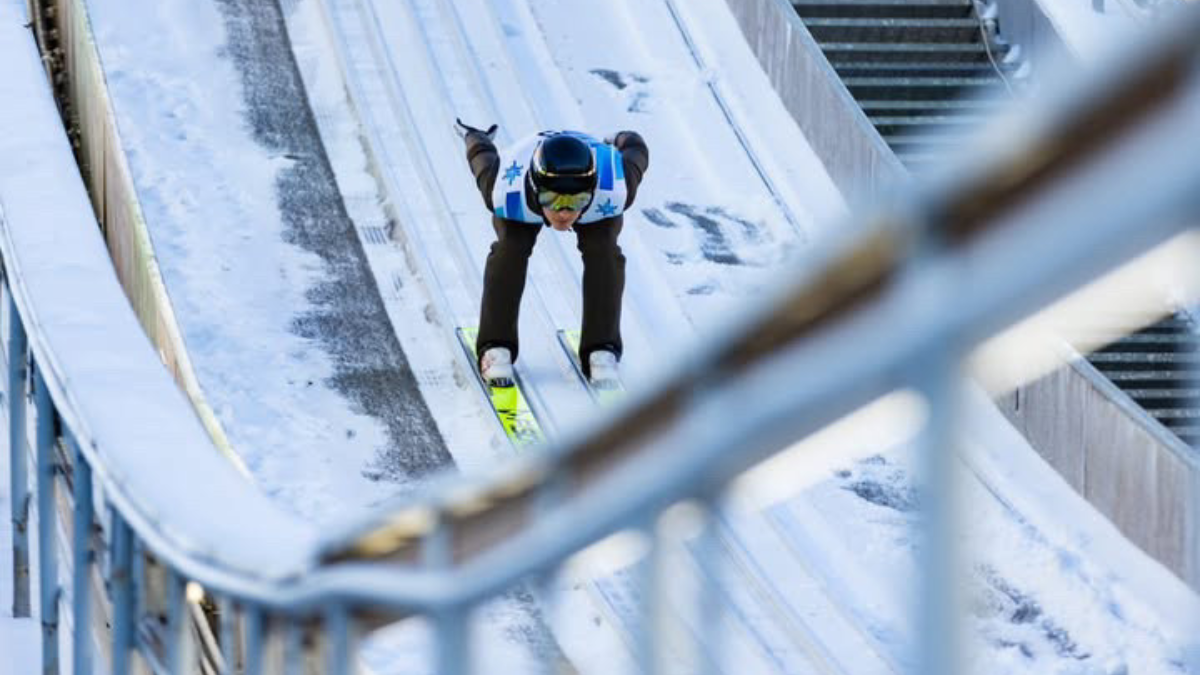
{"type": "Point", "coordinates": [513, 172]}
{"type": "Point", "coordinates": [607, 208]}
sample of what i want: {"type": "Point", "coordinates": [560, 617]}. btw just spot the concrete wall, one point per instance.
{"type": "Point", "coordinates": [855, 155]}
{"type": "Point", "coordinates": [1131, 468]}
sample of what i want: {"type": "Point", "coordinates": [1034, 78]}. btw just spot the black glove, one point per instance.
{"type": "Point", "coordinates": [464, 129]}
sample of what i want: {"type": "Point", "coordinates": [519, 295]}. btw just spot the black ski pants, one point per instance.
{"type": "Point", "coordinates": [603, 285]}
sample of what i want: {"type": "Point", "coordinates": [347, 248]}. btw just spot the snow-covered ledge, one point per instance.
{"type": "Point", "coordinates": [151, 457]}
{"type": "Point", "coordinates": [114, 197]}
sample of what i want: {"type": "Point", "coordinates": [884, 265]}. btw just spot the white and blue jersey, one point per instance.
{"type": "Point", "coordinates": [508, 194]}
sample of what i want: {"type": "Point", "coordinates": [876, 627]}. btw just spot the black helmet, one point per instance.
{"type": "Point", "coordinates": [563, 163]}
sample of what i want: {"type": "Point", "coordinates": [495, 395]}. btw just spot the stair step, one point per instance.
{"type": "Point", "coordinates": [1187, 432]}
{"type": "Point", "coordinates": [1152, 342]}
{"type": "Point", "coordinates": [805, 4]}
{"type": "Point", "coordinates": [1116, 358]}
{"type": "Point", "coordinates": [933, 82]}
{"type": "Point", "coordinates": [932, 120]}
{"type": "Point", "coordinates": [1182, 414]}
{"type": "Point", "coordinates": [1160, 335]}
{"type": "Point", "coordinates": [884, 8]}
{"type": "Point", "coordinates": [890, 31]}
{"type": "Point", "coordinates": [971, 23]}
{"type": "Point", "coordinates": [916, 69]}
{"type": "Point", "coordinates": [1165, 394]}
{"type": "Point", "coordinates": [846, 51]}
{"type": "Point", "coordinates": [1136, 325]}
{"type": "Point", "coordinates": [930, 106]}
{"type": "Point", "coordinates": [921, 88]}
{"type": "Point", "coordinates": [1166, 384]}
{"type": "Point", "coordinates": [905, 135]}
{"type": "Point", "coordinates": [979, 70]}
{"type": "Point", "coordinates": [918, 138]}
{"type": "Point", "coordinates": [1173, 414]}
{"type": "Point", "coordinates": [1150, 376]}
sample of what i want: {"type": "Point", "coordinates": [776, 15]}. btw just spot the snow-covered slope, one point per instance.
{"type": "Point", "coordinates": [721, 207]}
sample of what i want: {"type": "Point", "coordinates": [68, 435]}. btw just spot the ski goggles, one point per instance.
{"type": "Point", "coordinates": [564, 202]}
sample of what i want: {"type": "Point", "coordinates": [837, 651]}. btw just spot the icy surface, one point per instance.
{"type": "Point", "coordinates": [20, 640]}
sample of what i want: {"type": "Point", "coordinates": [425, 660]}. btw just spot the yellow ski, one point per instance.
{"type": "Point", "coordinates": [569, 339]}
{"type": "Point", "coordinates": [510, 405]}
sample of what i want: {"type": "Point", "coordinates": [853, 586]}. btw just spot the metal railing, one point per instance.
{"type": "Point", "coordinates": [260, 592]}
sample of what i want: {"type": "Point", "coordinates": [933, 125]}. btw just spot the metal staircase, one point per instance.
{"type": "Point", "coordinates": [923, 71]}
{"type": "Point", "coordinates": [1154, 366]}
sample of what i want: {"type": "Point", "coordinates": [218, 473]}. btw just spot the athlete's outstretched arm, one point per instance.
{"type": "Point", "coordinates": [635, 159]}
{"type": "Point", "coordinates": [484, 161]}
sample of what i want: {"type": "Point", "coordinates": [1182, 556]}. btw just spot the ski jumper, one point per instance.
{"type": "Point", "coordinates": [504, 181]}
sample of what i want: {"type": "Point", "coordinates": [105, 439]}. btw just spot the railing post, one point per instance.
{"type": "Point", "coordinates": [121, 582]}
{"type": "Point", "coordinates": [650, 613]}
{"type": "Point", "coordinates": [81, 576]}
{"type": "Point", "coordinates": [18, 459]}
{"type": "Point", "coordinates": [337, 631]}
{"type": "Point", "coordinates": [252, 617]}
{"type": "Point", "coordinates": [451, 623]}
{"type": "Point", "coordinates": [710, 604]}
{"type": "Point", "coordinates": [47, 520]}
{"type": "Point", "coordinates": [179, 652]}
{"type": "Point", "coordinates": [550, 496]}
{"type": "Point", "coordinates": [938, 619]}
{"type": "Point", "coordinates": [452, 642]}
{"type": "Point", "coordinates": [293, 647]}
{"type": "Point", "coordinates": [228, 636]}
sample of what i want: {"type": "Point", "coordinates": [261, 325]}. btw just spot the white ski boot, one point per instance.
{"type": "Point", "coordinates": [496, 367]}
{"type": "Point", "coordinates": [603, 366]}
